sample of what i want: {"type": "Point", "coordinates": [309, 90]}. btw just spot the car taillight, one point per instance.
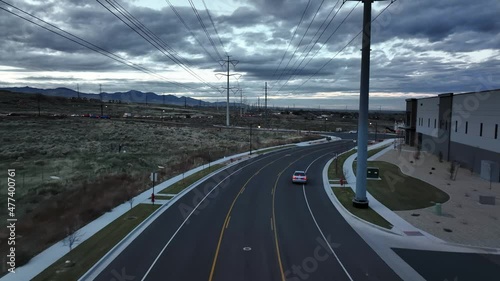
{"type": "Point", "coordinates": [294, 177]}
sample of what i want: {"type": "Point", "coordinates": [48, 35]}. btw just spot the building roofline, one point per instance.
{"type": "Point", "coordinates": [459, 94]}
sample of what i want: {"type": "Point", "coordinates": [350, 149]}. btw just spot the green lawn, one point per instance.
{"type": "Point", "coordinates": [182, 184]}
{"type": "Point", "coordinates": [162, 197]}
{"type": "Point", "coordinates": [398, 191]}
{"type": "Point", "coordinates": [345, 196]}
{"type": "Point", "coordinates": [333, 172]}
{"type": "Point", "coordinates": [89, 252]}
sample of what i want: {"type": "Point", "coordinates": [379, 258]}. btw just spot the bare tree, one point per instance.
{"type": "Point", "coordinates": [73, 236]}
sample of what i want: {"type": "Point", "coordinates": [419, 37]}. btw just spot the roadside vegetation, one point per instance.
{"type": "Point", "coordinates": [85, 255]}
{"type": "Point", "coordinates": [72, 169]}
{"type": "Point", "coordinates": [346, 194]}
{"type": "Point", "coordinates": [399, 192]}
{"type": "Point", "coordinates": [182, 184]}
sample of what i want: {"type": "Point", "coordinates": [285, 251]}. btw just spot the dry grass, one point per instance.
{"type": "Point", "coordinates": [93, 176]}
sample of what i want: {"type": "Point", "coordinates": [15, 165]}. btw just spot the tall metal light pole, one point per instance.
{"type": "Point", "coordinates": [360, 200]}
{"type": "Point", "coordinates": [250, 139]}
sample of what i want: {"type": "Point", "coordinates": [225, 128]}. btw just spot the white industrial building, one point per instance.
{"type": "Point", "coordinates": [458, 127]}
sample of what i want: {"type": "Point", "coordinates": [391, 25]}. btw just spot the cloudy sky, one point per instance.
{"type": "Point", "coordinates": [304, 49]}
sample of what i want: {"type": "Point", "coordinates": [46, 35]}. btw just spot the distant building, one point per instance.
{"type": "Point", "coordinates": [458, 127]}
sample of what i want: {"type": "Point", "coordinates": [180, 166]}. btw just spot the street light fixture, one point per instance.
{"type": "Point", "coordinates": [250, 139]}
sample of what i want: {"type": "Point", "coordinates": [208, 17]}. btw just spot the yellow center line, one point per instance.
{"type": "Point", "coordinates": [227, 224]}
{"type": "Point", "coordinates": [273, 219]}
{"type": "Point", "coordinates": [226, 221]}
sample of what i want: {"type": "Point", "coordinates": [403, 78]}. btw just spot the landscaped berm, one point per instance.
{"type": "Point", "coordinates": [398, 191]}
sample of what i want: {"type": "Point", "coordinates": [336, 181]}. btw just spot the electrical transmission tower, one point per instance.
{"type": "Point", "coordinates": [360, 200]}
{"type": "Point", "coordinates": [227, 63]}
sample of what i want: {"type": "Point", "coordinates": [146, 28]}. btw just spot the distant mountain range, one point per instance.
{"type": "Point", "coordinates": [128, 97]}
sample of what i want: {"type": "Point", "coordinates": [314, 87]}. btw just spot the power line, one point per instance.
{"type": "Point", "coordinates": [312, 38]}
{"type": "Point", "coordinates": [343, 48]}
{"type": "Point", "coordinates": [331, 35]}
{"type": "Point", "coordinates": [168, 51]}
{"type": "Point", "coordinates": [200, 20]}
{"type": "Point", "coordinates": [300, 42]}
{"type": "Point", "coordinates": [290, 42]}
{"type": "Point", "coordinates": [213, 24]}
{"type": "Point", "coordinates": [189, 29]}
{"type": "Point", "coordinates": [87, 44]}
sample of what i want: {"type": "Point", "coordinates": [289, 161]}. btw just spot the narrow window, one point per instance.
{"type": "Point", "coordinates": [446, 126]}
{"type": "Point", "coordinates": [496, 131]}
{"type": "Point", "coordinates": [466, 126]}
{"type": "Point", "coordinates": [481, 130]}
{"type": "Point", "coordinates": [429, 122]}
{"type": "Point", "coordinates": [435, 123]}
{"type": "Point", "coordinates": [456, 126]}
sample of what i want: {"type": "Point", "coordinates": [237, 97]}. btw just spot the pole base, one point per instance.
{"type": "Point", "coordinates": [360, 204]}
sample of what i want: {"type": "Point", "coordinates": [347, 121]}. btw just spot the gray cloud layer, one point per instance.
{"type": "Point", "coordinates": [418, 46]}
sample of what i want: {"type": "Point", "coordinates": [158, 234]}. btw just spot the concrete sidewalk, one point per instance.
{"type": "Point", "coordinates": [478, 231]}
{"type": "Point", "coordinates": [463, 220]}
{"type": "Point", "coordinates": [400, 226]}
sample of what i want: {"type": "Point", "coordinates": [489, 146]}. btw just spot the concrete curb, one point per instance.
{"type": "Point", "coordinates": [120, 246]}
{"type": "Point", "coordinates": [106, 259]}
{"type": "Point", "coordinates": [338, 205]}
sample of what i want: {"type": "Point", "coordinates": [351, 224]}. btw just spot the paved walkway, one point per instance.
{"type": "Point", "coordinates": [464, 221]}
{"type": "Point", "coordinates": [470, 222]}
{"type": "Point", "coordinates": [400, 226]}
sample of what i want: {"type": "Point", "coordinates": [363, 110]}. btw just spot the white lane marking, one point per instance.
{"type": "Point", "coordinates": [194, 209]}
{"type": "Point", "coordinates": [316, 223]}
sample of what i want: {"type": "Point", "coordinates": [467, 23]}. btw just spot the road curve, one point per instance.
{"type": "Point", "coordinates": [253, 224]}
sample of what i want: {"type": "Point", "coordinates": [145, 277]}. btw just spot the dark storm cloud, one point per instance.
{"type": "Point", "coordinates": [257, 34]}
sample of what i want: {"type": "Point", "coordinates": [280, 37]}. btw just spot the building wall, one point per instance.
{"type": "Point", "coordinates": [470, 157]}
{"type": "Point", "coordinates": [444, 125]}
{"type": "Point", "coordinates": [463, 127]}
{"type": "Point", "coordinates": [472, 110]}
{"type": "Point", "coordinates": [411, 121]}
{"type": "Point", "coordinates": [427, 116]}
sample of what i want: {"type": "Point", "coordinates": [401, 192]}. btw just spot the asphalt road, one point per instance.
{"type": "Point", "coordinates": [441, 266]}
{"type": "Point", "coordinates": [254, 224]}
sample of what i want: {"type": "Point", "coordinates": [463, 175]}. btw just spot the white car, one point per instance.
{"type": "Point", "coordinates": [299, 177]}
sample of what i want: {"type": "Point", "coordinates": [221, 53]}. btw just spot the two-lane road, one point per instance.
{"type": "Point", "coordinates": [251, 223]}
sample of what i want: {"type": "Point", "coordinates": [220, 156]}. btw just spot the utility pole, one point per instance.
{"type": "Point", "coordinates": [100, 94]}
{"type": "Point", "coordinates": [241, 102]}
{"type": "Point", "coordinates": [265, 107]}
{"type": "Point", "coordinates": [360, 200]}
{"type": "Point", "coordinates": [234, 63]}
{"type": "Point", "coordinates": [78, 90]}
{"type": "Point", "coordinates": [163, 99]}
{"type": "Point", "coordinates": [185, 102]}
